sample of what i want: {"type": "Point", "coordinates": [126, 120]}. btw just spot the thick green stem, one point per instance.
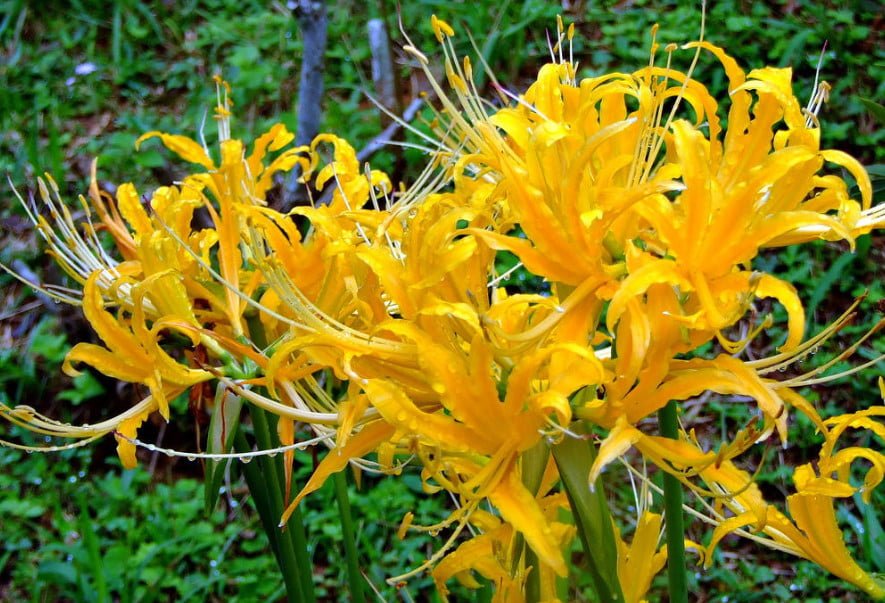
{"type": "Point", "coordinates": [534, 461]}
{"type": "Point", "coordinates": [265, 434]}
{"type": "Point", "coordinates": [354, 577]}
{"type": "Point", "coordinates": [675, 528]}
{"type": "Point", "coordinates": [269, 515]}
{"type": "Point", "coordinates": [293, 541]}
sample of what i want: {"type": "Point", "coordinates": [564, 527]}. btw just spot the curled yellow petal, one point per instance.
{"type": "Point", "coordinates": [129, 429]}
{"type": "Point", "coordinates": [184, 147]}
{"type": "Point", "coordinates": [337, 459]}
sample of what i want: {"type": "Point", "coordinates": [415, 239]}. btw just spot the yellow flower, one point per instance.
{"type": "Point", "coordinates": [165, 280]}
{"type": "Point", "coordinates": [813, 532]}
{"type": "Point", "coordinates": [133, 354]}
{"type": "Point", "coordinates": [590, 169]}
{"type": "Point", "coordinates": [235, 185]}
{"type": "Point", "coordinates": [464, 450]}
{"type": "Point", "coordinates": [642, 559]}
{"type": "Point", "coordinates": [493, 554]}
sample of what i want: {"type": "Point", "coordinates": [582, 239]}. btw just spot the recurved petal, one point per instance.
{"type": "Point", "coordinates": [660, 271]}
{"type": "Point", "coordinates": [439, 429]}
{"type": "Point", "coordinates": [619, 440]}
{"type": "Point", "coordinates": [129, 204]}
{"type": "Point", "coordinates": [129, 429]}
{"type": "Point", "coordinates": [857, 170]}
{"type": "Point", "coordinates": [808, 483]}
{"type": "Point", "coordinates": [477, 554]}
{"type": "Point", "coordinates": [120, 340]}
{"type": "Point", "coordinates": [640, 561]}
{"type": "Point", "coordinates": [816, 517]}
{"type": "Point", "coordinates": [273, 140]}
{"type": "Point", "coordinates": [106, 362]}
{"type": "Point", "coordinates": [360, 444]}
{"type": "Point", "coordinates": [184, 147]}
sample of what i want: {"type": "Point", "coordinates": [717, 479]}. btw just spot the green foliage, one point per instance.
{"type": "Point", "coordinates": [71, 524]}
{"type": "Point", "coordinates": [117, 534]}
{"type": "Point", "coordinates": [31, 368]}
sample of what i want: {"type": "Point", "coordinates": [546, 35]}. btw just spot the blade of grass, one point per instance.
{"type": "Point", "coordinates": [148, 15]}
{"type": "Point", "coordinates": [117, 35]}
{"type": "Point", "coordinates": [91, 541]}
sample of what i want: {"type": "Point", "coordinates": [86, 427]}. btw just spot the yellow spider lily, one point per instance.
{"type": "Point", "coordinates": [464, 450]}
{"type": "Point", "coordinates": [584, 176]}
{"type": "Point", "coordinates": [813, 532]}
{"type": "Point", "coordinates": [239, 181]}
{"type": "Point", "coordinates": [132, 354]}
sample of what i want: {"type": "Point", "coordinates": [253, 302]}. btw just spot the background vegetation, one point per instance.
{"type": "Point", "coordinates": [84, 79]}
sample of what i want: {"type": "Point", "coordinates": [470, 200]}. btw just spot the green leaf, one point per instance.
{"type": "Point", "coordinates": [96, 568]}
{"type": "Point", "coordinates": [57, 572]}
{"type": "Point", "coordinates": [48, 345]}
{"type": "Point", "coordinates": [875, 109]}
{"type": "Point", "coordinates": [85, 387]}
{"type": "Point", "coordinates": [222, 428]}
{"type": "Point", "coordinates": [574, 457]}
{"type": "Point", "coordinates": [21, 507]}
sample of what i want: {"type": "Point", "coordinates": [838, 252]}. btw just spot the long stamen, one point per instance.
{"type": "Point", "coordinates": [782, 360]}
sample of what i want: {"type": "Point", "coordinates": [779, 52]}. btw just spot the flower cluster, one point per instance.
{"type": "Point", "coordinates": [383, 325]}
